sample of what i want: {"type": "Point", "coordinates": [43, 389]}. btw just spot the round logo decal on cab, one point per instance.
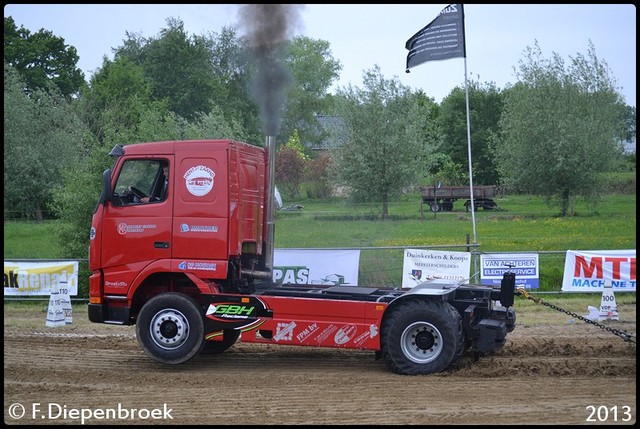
{"type": "Point", "coordinates": [199, 180]}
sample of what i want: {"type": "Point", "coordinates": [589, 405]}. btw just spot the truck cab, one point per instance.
{"type": "Point", "coordinates": [210, 224]}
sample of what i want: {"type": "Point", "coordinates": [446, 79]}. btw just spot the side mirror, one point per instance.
{"type": "Point", "coordinates": [107, 193]}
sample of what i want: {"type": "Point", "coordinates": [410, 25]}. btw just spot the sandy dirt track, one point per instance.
{"type": "Point", "coordinates": [560, 373]}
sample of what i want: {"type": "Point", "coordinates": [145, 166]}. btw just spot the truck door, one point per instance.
{"type": "Point", "coordinates": [201, 210]}
{"type": "Point", "coordinates": [137, 222]}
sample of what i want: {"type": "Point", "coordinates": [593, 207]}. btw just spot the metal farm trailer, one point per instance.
{"type": "Point", "coordinates": [442, 198]}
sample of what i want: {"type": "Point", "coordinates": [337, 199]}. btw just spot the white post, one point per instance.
{"type": "Point", "coordinates": [55, 314]}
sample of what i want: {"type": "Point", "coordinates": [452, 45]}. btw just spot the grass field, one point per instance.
{"type": "Point", "coordinates": [524, 224]}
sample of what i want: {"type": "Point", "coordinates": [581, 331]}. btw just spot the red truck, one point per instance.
{"type": "Point", "coordinates": [192, 269]}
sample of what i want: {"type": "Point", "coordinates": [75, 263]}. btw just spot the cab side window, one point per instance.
{"type": "Point", "coordinates": [140, 181]}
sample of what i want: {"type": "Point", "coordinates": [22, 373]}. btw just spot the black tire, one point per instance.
{"type": "Point", "coordinates": [435, 207]}
{"type": "Point", "coordinates": [422, 337]}
{"type": "Point", "coordinates": [170, 328]}
{"type": "Point", "coordinates": [489, 205]}
{"type": "Point", "coordinates": [229, 338]}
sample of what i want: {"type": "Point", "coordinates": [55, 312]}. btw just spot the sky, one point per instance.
{"type": "Point", "coordinates": [363, 36]}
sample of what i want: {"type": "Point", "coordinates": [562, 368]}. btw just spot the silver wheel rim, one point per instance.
{"type": "Point", "coordinates": [421, 342]}
{"type": "Point", "coordinates": [169, 329]}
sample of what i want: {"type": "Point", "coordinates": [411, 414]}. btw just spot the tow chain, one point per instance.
{"type": "Point", "coordinates": [622, 334]}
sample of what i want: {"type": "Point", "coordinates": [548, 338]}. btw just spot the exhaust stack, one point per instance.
{"type": "Point", "coordinates": [270, 144]}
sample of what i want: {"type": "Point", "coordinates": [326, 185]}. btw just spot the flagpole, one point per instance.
{"type": "Point", "coordinates": [466, 91]}
{"type": "Point", "coordinates": [473, 207]}
{"type": "Point", "coordinates": [441, 39]}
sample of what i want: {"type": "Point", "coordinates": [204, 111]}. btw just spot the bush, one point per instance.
{"type": "Point", "coordinates": [317, 183]}
{"type": "Point", "coordinates": [619, 183]}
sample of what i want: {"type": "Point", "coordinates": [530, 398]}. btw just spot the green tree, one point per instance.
{"type": "Point", "coordinates": [42, 138]}
{"type": "Point", "coordinates": [214, 125]}
{"type": "Point", "coordinates": [386, 141]}
{"type": "Point", "coordinates": [212, 71]}
{"type": "Point", "coordinates": [215, 70]}
{"type": "Point", "coordinates": [232, 76]}
{"type": "Point", "coordinates": [441, 168]}
{"type": "Point", "coordinates": [74, 202]}
{"type": "Point", "coordinates": [560, 128]}
{"type": "Point", "coordinates": [42, 59]}
{"type": "Point", "coordinates": [176, 65]}
{"type": "Point", "coordinates": [630, 123]}
{"type": "Point", "coordinates": [117, 97]}
{"type": "Point", "coordinates": [180, 70]}
{"type": "Point", "coordinates": [313, 70]}
{"type": "Point", "coordinates": [485, 108]}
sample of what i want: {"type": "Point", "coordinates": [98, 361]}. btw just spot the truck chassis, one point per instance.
{"type": "Point", "coordinates": [422, 330]}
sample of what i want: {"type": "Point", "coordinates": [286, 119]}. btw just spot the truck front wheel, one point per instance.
{"type": "Point", "coordinates": [170, 328]}
{"type": "Point", "coordinates": [422, 337]}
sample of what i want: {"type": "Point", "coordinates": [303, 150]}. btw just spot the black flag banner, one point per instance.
{"type": "Point", "coordinates": [442, 39]}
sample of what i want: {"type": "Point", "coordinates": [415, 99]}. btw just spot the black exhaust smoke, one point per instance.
{"type": "Point", "coordinates": [268, 27]}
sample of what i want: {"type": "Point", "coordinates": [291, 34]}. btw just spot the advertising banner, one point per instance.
{"type": "Point", "coordinates": [524, 265]}
{"type": "Point", "coordinates": [316, 267]}
{"type": "Point", "coordinates": [37, 278]}
{"type": "Point", "coordinates": [422, 265]}
{"type": "Point", "coordinates": [590, 271]}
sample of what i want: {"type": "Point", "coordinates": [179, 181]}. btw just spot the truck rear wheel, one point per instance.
{"type": "Point", "coordinates": [422, 337]}
{"type": "Point", "coordinates": [170, 328]}
{"type": "Point", "coordinates": [229, 338]}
